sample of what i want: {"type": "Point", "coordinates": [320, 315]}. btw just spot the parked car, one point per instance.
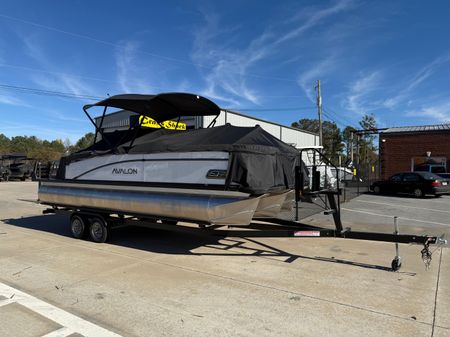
{"type": "Point", "coordinates": [416, 183]}
{"type": "Point", "coordinates": [432, 168]}
{"type": "Point", "coordinates": [19, 165]}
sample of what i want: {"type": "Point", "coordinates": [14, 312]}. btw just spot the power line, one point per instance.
{"type": "Point", "coordinates": [344, 121]}
{"type": "Point", "coordinates": [116, 45]}
{"type": "Point", "coordinates": [91, 97]}
{"type": "Point", "coordinates": [272, 109]}
{"type": "Point", "coordinates": [332, 120]}
{"type": "Point", "coordinates": [336, 115]}
{"type": "Point", "coordinates": [48, 92]}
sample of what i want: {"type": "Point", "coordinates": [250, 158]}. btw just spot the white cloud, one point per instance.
{"type": "Point", "coordinates": [312, 18]}
{"type": "Point", "coordinates": [419, 77]}
{"type": "Point", "coordinates": [125, 60]}
{"type": "Point", "coordinates": [12, 100]}
{"type": "Point", "coordinates": [439, 113]}
{"type": "Point", "coordinates": [308, 78]}
{"type": "Point", "coordinates": [135, 74]}
{"type": "Point", "coordinates": [227, 70]}
{"type": "Point", "coordinates": [359, 98]}
{"type": "Point", "coordinates": [54, 81]}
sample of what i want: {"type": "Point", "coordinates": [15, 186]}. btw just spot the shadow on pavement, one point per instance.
{"type": "Point", "coordinates": [168, 242]}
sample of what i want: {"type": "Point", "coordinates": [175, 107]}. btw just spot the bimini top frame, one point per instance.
{"type": "Point", "coordinates": [161, 107]}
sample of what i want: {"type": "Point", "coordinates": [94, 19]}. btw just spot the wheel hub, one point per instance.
{"type": "Point", "coordinates": [77, 227]}
{"type": "Point", "coordinates": [97, 230]}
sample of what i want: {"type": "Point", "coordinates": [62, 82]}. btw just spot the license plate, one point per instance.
{"type": "Point", "coordinates": [444, 183]}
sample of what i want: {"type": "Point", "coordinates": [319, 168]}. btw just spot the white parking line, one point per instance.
{"type": "Point", "coordinates": [391, 216]}
{"type": "Point", "coordinates": [397, 205]}
{"type": "Point", "coordinates": [6, 302]}
{"type": "Point", "coordinates": [70, 322]}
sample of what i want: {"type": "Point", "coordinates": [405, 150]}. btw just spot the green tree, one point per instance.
{"type": "Point", "coordinates": [367, 147]}
{"type": "Point", "coordinates": [82, 143]}
{"type": "Point", "coordinates": [5, 144]}
{"type": "Point", "coordinates": [332, 138]}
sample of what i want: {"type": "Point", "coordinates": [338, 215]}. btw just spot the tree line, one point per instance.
{"type": "Point", "coordinates": [337, 143]}
{"type": "Point", "coordinates": [42, 150]}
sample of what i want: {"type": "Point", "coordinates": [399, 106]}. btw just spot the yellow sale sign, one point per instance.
{"type": "Point", "coordinates": [148, 122]}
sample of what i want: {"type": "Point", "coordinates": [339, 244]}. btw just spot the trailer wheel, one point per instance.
{"type": "Point", "coordinates": [396, 264]}
{"type": "Point", "coordinates": [77, 226]}
{"type": "Point", "coordinates": [98, 231]}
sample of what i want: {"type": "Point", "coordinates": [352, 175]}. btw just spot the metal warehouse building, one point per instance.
{"type": "Point", "coordinates": [121, 120]}
{"type": "Point", "coordinates": [415, 148]}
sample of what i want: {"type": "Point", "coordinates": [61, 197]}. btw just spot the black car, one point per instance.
{"type": "Point", "coordinates": [416, 183]}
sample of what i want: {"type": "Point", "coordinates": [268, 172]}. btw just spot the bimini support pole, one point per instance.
{"type": "Point", "coordinates": [97, 128]}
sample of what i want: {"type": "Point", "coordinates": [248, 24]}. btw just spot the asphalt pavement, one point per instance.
{"type": "Point", "coordinates": [156, 283]}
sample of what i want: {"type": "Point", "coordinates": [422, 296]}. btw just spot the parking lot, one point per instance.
{"type": "Point", "coordinates": [153, 283]}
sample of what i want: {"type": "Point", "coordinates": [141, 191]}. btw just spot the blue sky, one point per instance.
{"type": "Point", "coordinates": [388, 58]}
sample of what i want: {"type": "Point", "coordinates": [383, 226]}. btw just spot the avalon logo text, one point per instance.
{"type": "Point", "coordinates": [124, 171]}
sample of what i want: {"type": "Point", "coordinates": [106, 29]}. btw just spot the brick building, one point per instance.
{"type": "Point", "coordinates": [414, 148]}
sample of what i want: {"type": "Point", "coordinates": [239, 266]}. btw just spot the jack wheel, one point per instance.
{"type": "Point", "coordinates": [98, 231]}
{"type": "Point", "coordinates": [77, 226]}
{"type": "Point", "coordinates": [396, 264]}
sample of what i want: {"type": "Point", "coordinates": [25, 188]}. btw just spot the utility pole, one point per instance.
{"type": "Point", "coordinates": [319, 111]}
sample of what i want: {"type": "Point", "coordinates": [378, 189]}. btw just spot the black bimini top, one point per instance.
{"type": "Point", "coordinates": [161, 107]}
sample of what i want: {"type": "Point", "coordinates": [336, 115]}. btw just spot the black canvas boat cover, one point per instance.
{"type": "Point", "coordinates": [259, 162]}
{"type": "Point", "coordinates": [161, 107]}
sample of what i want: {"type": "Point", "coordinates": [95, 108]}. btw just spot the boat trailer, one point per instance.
{"type": "Point", "coordinates": [98, 225]}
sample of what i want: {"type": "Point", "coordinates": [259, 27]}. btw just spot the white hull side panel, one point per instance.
{"type": "Point", "coordinates": [173, 167]}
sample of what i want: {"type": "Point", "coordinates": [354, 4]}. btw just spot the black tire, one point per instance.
{"type": "Point", "coordinates": [98, 230]}
{"type": "Point", "coordinates": [376, 189]}
{"type": "Point", "coordinates": [78, 226]}
{"type": "Point", "coordinates": [396, 264]}
{"type": "Point", "coordinates": [418, 193]}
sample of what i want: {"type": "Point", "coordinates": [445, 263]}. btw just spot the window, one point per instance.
{"type": "Point", "coordinates": [430, 176]}
{"type": "Point", "coordinates": [437, 169]}
{"type": "Point", "coordinates": [422, 168]}
{"type": "Point", "coordinates": [411, 177]}
{"type": "Point", "coordinates": [396, 178]}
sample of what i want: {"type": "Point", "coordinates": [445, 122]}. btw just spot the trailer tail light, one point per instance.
{"type": "Point", "coordinates": [436, 183]}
